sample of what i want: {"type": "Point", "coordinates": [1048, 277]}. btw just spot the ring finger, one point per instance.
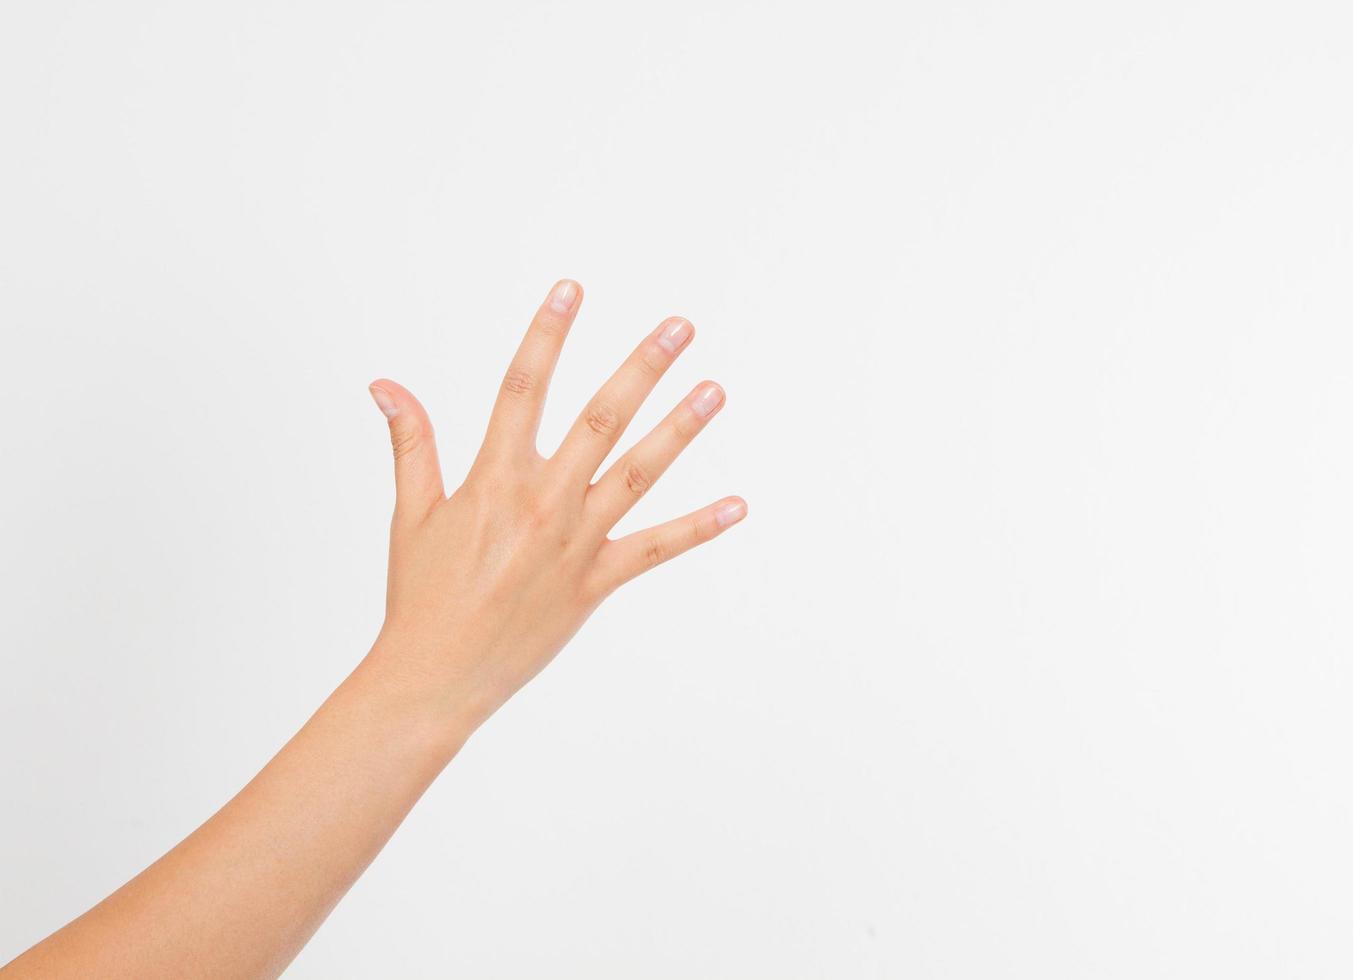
{"type": "Point", "coordinates": [629, 478]}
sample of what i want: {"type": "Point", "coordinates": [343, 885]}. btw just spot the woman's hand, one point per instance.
{"type": "Point", "coordinates": [487, 585]}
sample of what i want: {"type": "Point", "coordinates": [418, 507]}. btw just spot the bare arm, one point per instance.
{"type": "Point", "coordinates": [484, 589]}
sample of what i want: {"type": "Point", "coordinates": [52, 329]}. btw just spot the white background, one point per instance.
{"type": "Point", "coordinates": [1033, 656]}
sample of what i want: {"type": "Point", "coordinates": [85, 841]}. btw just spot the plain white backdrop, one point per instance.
{"type": "Point", "coordinates": [1033, 656]}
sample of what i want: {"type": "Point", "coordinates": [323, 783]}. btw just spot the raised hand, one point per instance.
{"type": "Point", "coordinates": [485, 586]}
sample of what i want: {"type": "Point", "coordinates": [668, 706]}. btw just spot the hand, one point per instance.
{"type": "Point", "coordinates": [486, 586]}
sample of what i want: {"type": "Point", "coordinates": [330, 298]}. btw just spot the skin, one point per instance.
{"type": "Point", "coordinates": [484, 588]}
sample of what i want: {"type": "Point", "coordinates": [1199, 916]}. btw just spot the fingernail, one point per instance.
{"type": "Point", "coordinates": [706, 400]}
{"type": "Point", "coordinates": [563, 296]}
{"type": "Point", "coordinates": [384, 401]}
{"type": "Point", "coordinates": [674, 334]}
{"type": "Point", "coordinates": [730, 512]}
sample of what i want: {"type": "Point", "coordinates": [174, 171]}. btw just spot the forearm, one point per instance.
{"type": "Point", "coordinates": [243, 893]}
{"type": "Point", "coordinates": [484, 588]}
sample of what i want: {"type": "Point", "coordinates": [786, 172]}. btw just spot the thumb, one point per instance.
{"type": "Point", "coordinates": [418, 477]}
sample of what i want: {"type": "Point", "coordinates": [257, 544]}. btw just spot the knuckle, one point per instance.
{"type": "Point", "coordinates": [602, 419]}
{"type": "Point", "coordinates": [544, 509]}
{"type": "Point", "coordinates": [686, 425]}
{"type": "Point", "coordinates": [518, 382]}
{"type": "Point", "coordinates": [552, 325]}
{"type": "Point", "coordinates": [653, 360]}
{"type": "Point", "coordinates": [636, 480]}
{"type": "Point", "coordinates": [404, 440]}
{"type": "Point", "coordinates": [655, 553]}
{"type": "Point", "coordinates": [538, 514]}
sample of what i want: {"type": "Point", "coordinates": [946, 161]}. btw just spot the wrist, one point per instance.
{"type": "Point", "coordinates": [412, 687]}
